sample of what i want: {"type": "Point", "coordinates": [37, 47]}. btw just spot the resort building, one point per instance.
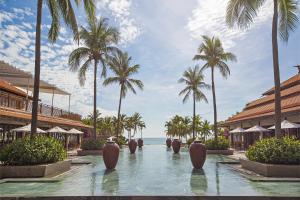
{"type": "Point", "coordinates": [16, 105]}
{"type": "Point", "coordinates": [261, 112]}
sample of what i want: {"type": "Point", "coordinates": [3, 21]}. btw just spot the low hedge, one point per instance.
{"type": "Point", "coordinates": [275, 151]}
{"type": "Point", "coordinates": [33, 151]}
{"type": "Point", "coordinates": [92, 144]}
{"type": "Point", "coordinates": [220, 144]}
{"type": "Point", "coordinates": [121, 141]}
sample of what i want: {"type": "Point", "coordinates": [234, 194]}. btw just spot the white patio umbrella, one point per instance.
{"type": "Point", "coordinates": [285, 124]}
{"type": "Point", "coordinates": [56, 129]}
{"type": "Point", "coordinates": [257, 128]}
{"type": "Point", "coordinates": [237, 130]}
{"type": "Point", "coordinates": [27, 129]}
{"type": "Point", "coordinates": [75, 131]}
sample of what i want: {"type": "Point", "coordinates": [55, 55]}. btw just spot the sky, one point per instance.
{"type": "Point", "coordinates": [162, 36]}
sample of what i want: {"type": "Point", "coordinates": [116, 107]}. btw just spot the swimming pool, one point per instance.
{"type": "Point", "coordinates": [154, 170]}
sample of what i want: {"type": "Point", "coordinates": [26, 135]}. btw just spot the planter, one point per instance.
{"type": "Point", "coordinates": [222, 152]}
{"type": "Point", "coordinates": [89, 152]}
{"type": "Point", "coordinates": [168, 142]}
{"type": "Point", "coordinates": [197, 154]}
{"type": "Point", "coordinates": [176, 145]}
{"type": "Point", "coordinates": [271, 170]}
{"type": "Point", "coordinates": [140, 143]}
{"type": "Point", "coordinates": [132, 144]}
{"type": "Point", "coordinates": [111, 154]}
{"type": "Point", "coordinates": [35, 171]}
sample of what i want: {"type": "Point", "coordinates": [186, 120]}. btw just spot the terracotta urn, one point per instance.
{"type": "Point", "coordinates": [197, 154]}
{"type": "Point", "coordinates": [168, 142]}
{"type": "Point", "coordinates": [132, 144]}
{"type": "Point", "coordinates": [110, 154]}
{"type": "Point", "coordinates": [140, 142]}
{"type": "Point", "coordinates": [176, 145]}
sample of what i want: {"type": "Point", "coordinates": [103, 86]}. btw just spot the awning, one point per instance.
{"type": "Point", "coordinates": [27, 129]}
{"type": "Point", "coordinates": [56, 129]}
{"type": "Point", "coordinates": [74, 131]}
{"type": "Point", "coordinates": [25, 80]}
{"type": "Point", "coordinates": [285, 124]}
{"type": "Point", "coordinates": [237, 130]}
{"type": "Point", "coordinates": [257, 129]}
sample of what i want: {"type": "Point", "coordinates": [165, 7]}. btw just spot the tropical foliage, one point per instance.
{"type": "Point", "coordinates": [275, 151]}
{"type": "Point", "coordinates": [92, 144]}
{"type": "Point", "coordinates": [242, 14]}
{"type": "Point", "coordinates": [193, 79]}
{"type": "Point", "coordinates": [98, 40]}
{"type": "Point", "coordinates": [212, 53]}
{"type": "Point", "coordinates": [33, 151]}
{"type": "Point", "coordinates": [220, 144]}
{"type": "Point", "coordinates": [182, 127]}
{"type": "Point", "coordinates": [120, 65]}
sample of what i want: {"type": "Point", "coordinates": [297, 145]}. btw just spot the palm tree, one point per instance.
{"type": "Point", "coordinates": [205, 129]}
{"type": "Point", "coordinates": [58, 9]}
{"type": "Point", "coordinates": [98, 40]}
{"type": "Point", "coordinates": [193, 79]}
{"type": "Point", "coordinates": [137, 119]}
{"type": "Point", "coordinates": [120, 66]}
{"type": "Point", "coordinates": [141, 126]}
{"type": "Point", "coordinates": [211, 51]}
{"type": "Point", "coordinates": [242, 13]}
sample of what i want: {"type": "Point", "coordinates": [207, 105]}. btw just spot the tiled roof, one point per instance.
{"type": "Point", "coordinates": [10, 112]}
{"type": "Point", "coordinates": [4, 85]}
{"type": "Point", "coordinates": [265, 106]}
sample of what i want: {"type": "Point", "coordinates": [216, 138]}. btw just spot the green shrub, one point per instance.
{"type": "Point", "coordinates": [121, 140]}
{"type": "Point", "coordinates": [38, 150]}
{"type": "Point", "coordinates": [220, 144]}
{"type": "Point", "coordinates": [92, 144]}
{"type": "Point", "coordinates": [275, 151]}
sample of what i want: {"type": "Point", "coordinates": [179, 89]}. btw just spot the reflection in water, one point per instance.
{"type": "Point", "coordinates": [93, 183]}
{"type": "Point", "coordinates": [110, 182]}
{"type": "Point", "coordinates": [217, 178]}
{"type": "Point", "coordinates": [198, 182]}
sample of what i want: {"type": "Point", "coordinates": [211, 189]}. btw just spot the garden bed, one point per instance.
{"type": "Point", "coordinates": [271, 170]}
{"type": "Point", "coordinates": [89, 152]}
{"type": "Point", "coordinates": [222, 152]}
{"type": "Point", "coordinates": [34, 171]}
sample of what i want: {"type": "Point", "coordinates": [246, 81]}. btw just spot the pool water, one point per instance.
{"type": "Point", "coordinates": [154, 170]}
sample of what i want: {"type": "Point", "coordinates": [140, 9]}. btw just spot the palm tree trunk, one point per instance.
{"type": "Point", "coordinates": [119, 111]}
{"type": "Point", "coordinates": [214, 103]}
{"type": "Point", "coordinates": [95, 100]}
{"type": "Point", "coordinates": [37, 68]}
{"type": "Point", "coordinates": [276, 72]}
{"type": "Point", "coordinates": [194, 114]}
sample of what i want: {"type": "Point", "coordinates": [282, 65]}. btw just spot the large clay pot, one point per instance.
{"type": "Point", "coordinates": [197, 154]}
{"type": "Point", "coordinates": [132, 144]}
{"type": "Point", "coordinates": [168, 142]}
{"type": "Point", "coordinates": [176, 145]}
{"type": "Point", "coordinates": [110, 154]}
{"type": "Point", "coordinates": [140, 143]}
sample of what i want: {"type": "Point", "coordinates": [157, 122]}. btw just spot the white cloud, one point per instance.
{"type": "Point", "coordinates": [120, 10]}
{"type": "Point", "coordinates": [208, 18]}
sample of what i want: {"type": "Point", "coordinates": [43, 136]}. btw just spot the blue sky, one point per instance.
{"type": "Point", "coordinates": [162, 36]}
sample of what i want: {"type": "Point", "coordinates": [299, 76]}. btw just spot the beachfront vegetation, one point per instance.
{"type": "Point", "coordinates": [98, 42]}
{"type": "Point", "coordinates": [92, 144]}
{"type": "Point", "coordinates": [106, 126]}
{"type": "Point", "coordinates": [182, 127]}
{"type": "Point", "coordinates": [211, 51]}
{"type": "Point", "coordinates": [220, 144]}
{"type": "Point", "coordinates": [275, 151]}
{"type": "Point", "coordinates": [34, 151]}
{"type": "Point", "coordinates": [193, 79]}
{"type": "Point", "coordinates": [59, 10]}
{"type": "Point", "coordinates": [242, 14]}
{"type": "Point", "coordinates": [120, 65]}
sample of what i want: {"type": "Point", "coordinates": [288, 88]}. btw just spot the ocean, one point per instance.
{"type": "Point", "coordinates": [154, 141]}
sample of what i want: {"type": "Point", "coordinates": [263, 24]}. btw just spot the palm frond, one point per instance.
{"type": "Point", "coordinates": [82, 72]}
{"type": "Point", "coordinates": [55, 24]}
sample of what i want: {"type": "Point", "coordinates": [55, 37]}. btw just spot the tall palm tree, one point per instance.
{"type": "Point", "coordinates": [120, 66]}
{"type": "Point", "coordinates": [141, 126]}
{"type": "Point", "coordinates": [211, 51]}
{"type": "Point", "coordinates": [98, 39]}
{"type": "Point", "coordinates": [137, 119]}
{"type": "Point", "coordinates": [193, 79]}
{"type": "Point", "coordinates": [242, 13]}
{"type": "Point", "coordinates": [58, 9]}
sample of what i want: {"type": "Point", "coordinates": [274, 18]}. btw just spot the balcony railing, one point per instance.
{"type": "Point", "coordinates": [20, 103]}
